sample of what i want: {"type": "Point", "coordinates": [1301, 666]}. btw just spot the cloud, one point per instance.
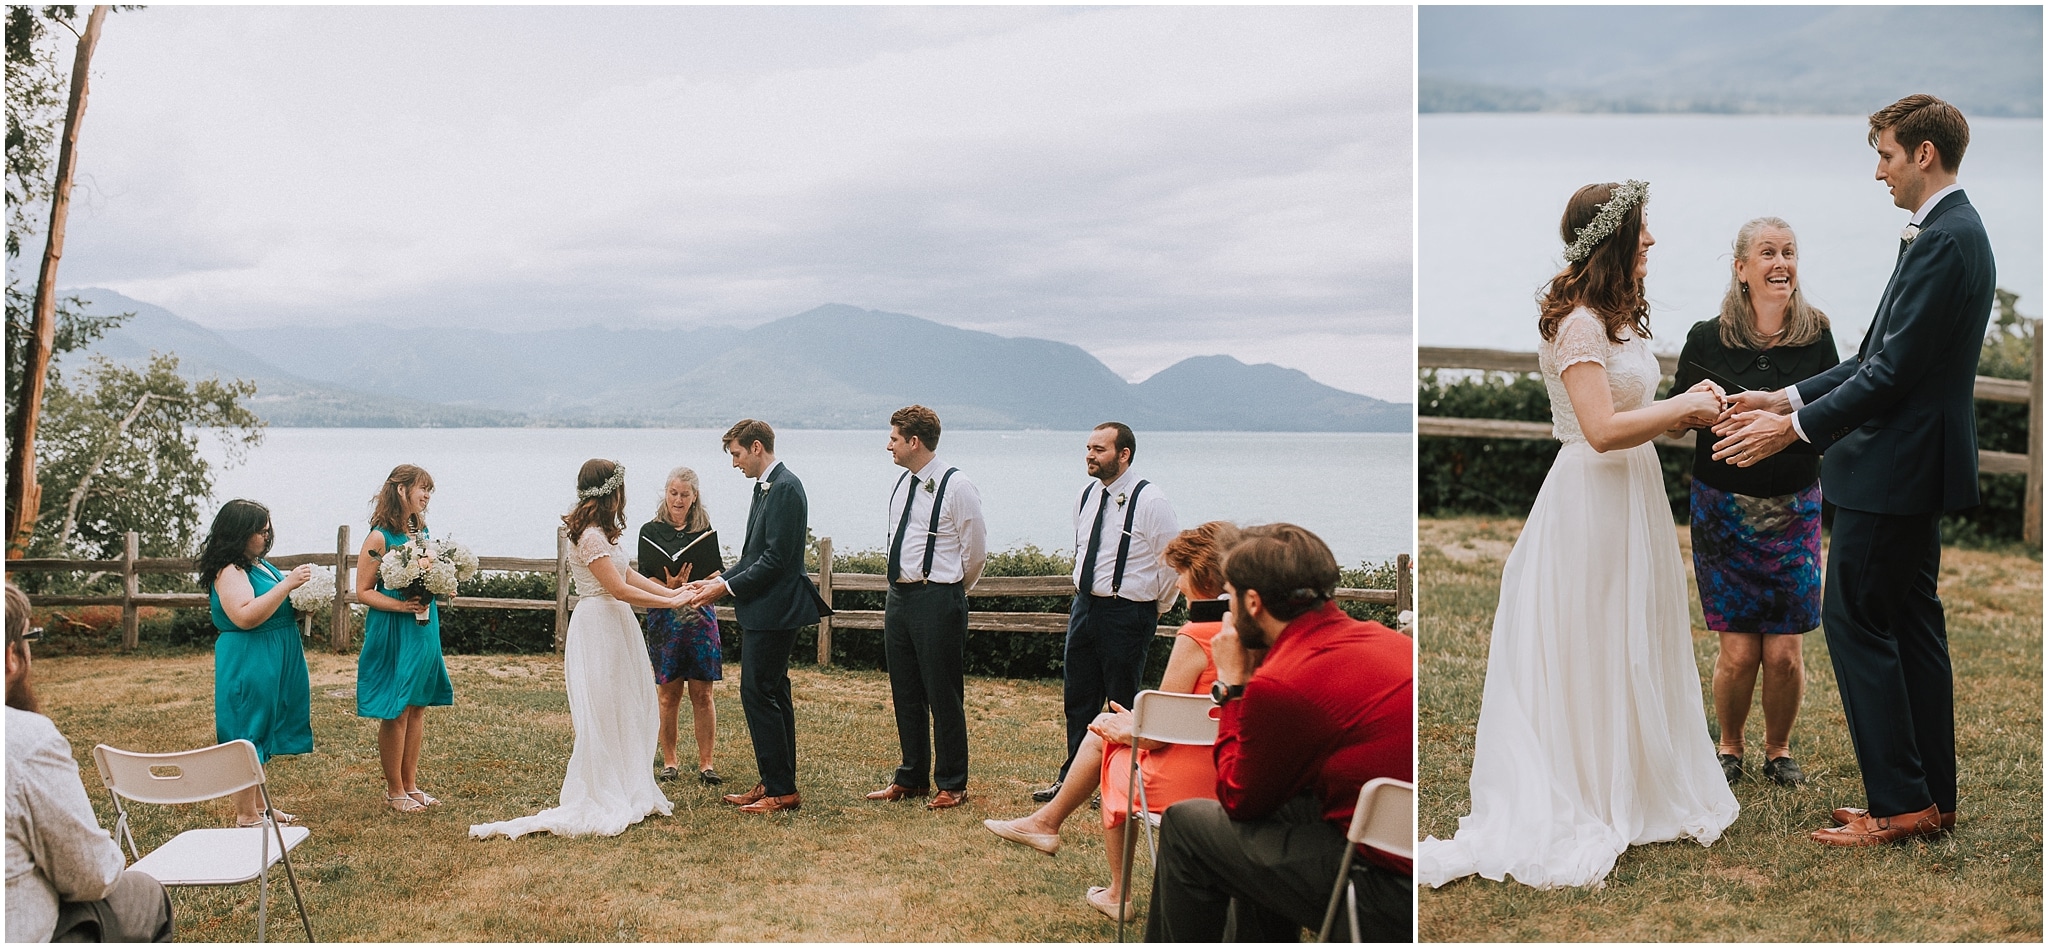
{"type": "Point", "coordinates": [1097, 176]}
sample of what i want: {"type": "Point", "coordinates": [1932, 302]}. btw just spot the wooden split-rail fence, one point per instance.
{"type": "Point", "coordinates": [343, 560]}
{"type": "Point", "coordinates": [2017, 391]}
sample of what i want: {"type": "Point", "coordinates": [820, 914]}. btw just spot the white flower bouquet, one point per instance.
{"type": "Point", "coordinates": [317, 592]}
{"type": "Point", "coordinates": [424, 568]}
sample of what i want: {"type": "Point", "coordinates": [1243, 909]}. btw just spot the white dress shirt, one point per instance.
{"type": "Point", "coordinates": [1919, 217]}
{"type": "Point", "coordinates": [962, 542]}
{"type": "Point", "coordinates": [56, 850]}
{"type": "Point", "coordinates": [1146, 576]}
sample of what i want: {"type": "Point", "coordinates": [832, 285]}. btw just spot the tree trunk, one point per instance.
{"type": "Point", "coordinates": [106, 450]}
{"type": "Point", "coordinates": [24, 496]}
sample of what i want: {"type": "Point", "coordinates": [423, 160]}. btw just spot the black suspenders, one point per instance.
{"type": "Point", "coordinates": [931, 535]}
{"type": "Point", "coordinates": [1123, 547]}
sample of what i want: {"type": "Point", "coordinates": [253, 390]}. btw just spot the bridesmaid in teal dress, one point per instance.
{"type": "Point", "coordinates": [260, 688]}
{"type": "Point", "coordinates": [400, 672]}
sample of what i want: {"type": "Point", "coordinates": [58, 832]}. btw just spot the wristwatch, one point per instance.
{"type": "Point", "coordinates": [1224, 694]}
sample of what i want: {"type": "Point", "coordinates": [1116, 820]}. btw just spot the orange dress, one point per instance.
{"type": "Point", "coordinates": [1172, 773]}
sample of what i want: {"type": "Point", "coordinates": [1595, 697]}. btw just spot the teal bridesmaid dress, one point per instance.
{"type": "Point", "coordinates": [260, 688]}
{"type": "Point", "coordinates": [401, 664]}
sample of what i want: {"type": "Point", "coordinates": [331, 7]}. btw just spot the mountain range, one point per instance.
{"type": "Point", "coordinates": [1792, 59]}
{"type": "Point", "coordinates": [834, 366]}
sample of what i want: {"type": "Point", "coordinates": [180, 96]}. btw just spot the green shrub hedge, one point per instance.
{"type": "Point", "coordinates": [1501, 476]}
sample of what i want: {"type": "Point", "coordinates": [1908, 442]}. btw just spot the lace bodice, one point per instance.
{"type": "Point", "coordinates": [588, 549]}
{"type": "Point", "coordinates": [1632, 369]}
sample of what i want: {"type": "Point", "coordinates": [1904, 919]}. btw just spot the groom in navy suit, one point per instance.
{"type": "Point", "coordinates": [1898, 427]}
{"type": "Point", "coordinates": [773, 598]}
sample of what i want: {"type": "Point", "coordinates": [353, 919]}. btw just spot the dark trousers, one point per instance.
{"type": "Point", "coordinates": [764, 696]}
{"type": "Point", "coordinates": [1889, 646]}
{"type": "Point", "coordinates": [924, 637]}
{"type": "Point", "coordinates": [136, 909]}
{"type": "Point", "coordinates": [1108, 640]}
{"type": "Point", "coordinates": [1279, 869]}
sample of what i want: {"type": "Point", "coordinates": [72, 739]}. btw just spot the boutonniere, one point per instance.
{"type": "Point", "coordinates": [763, 488]}
{"type": "Point", "coordinates": [1120, 498]}
{"type": "Point", "coordinates": [931, 487]}
{"type": "Point", "coordinates": [1911, 231]}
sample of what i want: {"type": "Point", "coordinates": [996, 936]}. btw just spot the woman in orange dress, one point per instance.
{"type": "Point", "coordinates": [1171, 773]}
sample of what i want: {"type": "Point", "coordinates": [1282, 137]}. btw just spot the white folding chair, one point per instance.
{"type": "Point", "coordinates": [1170, 718]}
{"type": "Point", "coordinates": [204, 856]}
{"type": "Point", "coordinates": [1384, 820]}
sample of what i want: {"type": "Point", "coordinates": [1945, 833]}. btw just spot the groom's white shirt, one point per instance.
{"type": "Point", "coordinates": [1919, 217]}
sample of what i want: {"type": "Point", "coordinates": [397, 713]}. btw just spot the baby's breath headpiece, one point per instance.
{"type": "Point", "coordinates": [612, 483]}
{"type": "Point", "coordinates": [1625, 195]}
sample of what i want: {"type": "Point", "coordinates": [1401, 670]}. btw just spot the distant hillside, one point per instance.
{"type": "Point", "coordinates": [282, 397]}
{"type": "Point", "coordinates": [1792, 59]}
{"type": "Point", "coordinates": [834, 366]}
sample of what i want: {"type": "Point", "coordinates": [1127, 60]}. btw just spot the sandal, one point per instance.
{"type": "Point", "coordinates": [283, 819]}
{"type": "Point", "coordinates": [709, 777]}
{"type": "Point", "coordinates": [1098, 896]}
{"type": "Point", "coordinates": [404, 803]}
{"type": "Point", "coordinates": [422, 798]}
{"type": "Point", "coordinates": [667, 774]}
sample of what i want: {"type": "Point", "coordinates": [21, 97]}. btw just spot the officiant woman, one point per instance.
{"type": "Point", "coordinates": [1756, 530]}
{"type": "Point", "coordinates": [682, 643]}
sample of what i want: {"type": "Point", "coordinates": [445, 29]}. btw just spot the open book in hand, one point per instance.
{"type": "Point", "coordinates": [664, 557]}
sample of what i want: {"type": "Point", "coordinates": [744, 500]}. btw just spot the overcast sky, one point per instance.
{"type": "Point", "coordinates": [1148, 183]}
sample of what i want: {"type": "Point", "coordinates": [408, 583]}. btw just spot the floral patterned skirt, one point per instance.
{"type": "Point", "coordinates": [683, 644]}
{"type": "Point", "coordinates": [1757, 560]}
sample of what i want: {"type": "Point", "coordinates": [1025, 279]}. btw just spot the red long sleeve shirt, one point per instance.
{"type": "Point", "coordinates": [1331, 707]}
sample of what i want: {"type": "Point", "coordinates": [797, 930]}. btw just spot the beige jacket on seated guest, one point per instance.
{"type": "Point", "coordinates": [56, 850]}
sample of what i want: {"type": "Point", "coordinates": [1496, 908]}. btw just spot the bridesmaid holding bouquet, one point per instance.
{"type": "Point", "coordinates": [400, 672]}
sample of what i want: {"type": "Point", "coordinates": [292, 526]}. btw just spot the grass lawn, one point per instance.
{"type": "Point", "coordinates": [1764, 881]}
{"type": "Point", "coordinates": [840, 869]}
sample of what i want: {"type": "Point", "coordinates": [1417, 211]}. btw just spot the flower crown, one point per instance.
{"type": "Point", "coordinates": [1625, 195]}
{"type": "Point", "coordinates": [612, 483]}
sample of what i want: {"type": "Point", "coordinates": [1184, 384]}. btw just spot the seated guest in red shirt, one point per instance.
{"type": "Point", "coordinates": [1314, 704]}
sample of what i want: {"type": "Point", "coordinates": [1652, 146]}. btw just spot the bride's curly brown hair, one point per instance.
{"type": "Point", "coordinates": [606, 512]}
{"type": "Point", "coordinates": [1605, 280]}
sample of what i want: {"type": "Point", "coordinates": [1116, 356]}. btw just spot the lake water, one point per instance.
{"type": "Point", "coordinates": [503, 490]}
{"type": "Point", "coordinates": [1493, 187]}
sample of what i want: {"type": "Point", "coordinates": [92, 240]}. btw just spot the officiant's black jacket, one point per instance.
{"type": "Point", "coordinates": [1898, 422]}
{"type": "Point", "coordinates": [769, 586]}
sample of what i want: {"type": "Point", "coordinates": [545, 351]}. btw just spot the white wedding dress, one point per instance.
{"type": "Point", "coordinates": [610, 784]}
{"type": "Point", "coordinates": [1592, 734]}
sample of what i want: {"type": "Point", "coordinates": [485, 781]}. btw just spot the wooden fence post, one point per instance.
{"type": "Point", "coordinates": [2031, 530]}
{"type": "Point", "coordinates": [338, 624]}
{"type": "Point", "coordinates": [561, 586]}
{"type": "Point", "coordinates": [825, 590]}
{"type": "Point", "coordinates": [131, 624]}
{"type": "Point", "coordinates": [1404, 584]}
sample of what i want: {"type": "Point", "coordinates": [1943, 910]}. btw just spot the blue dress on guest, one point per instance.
{"type": "Point", "coordinates": [400, 665]}
{"type": "Point", "coordinates": [260, 689]}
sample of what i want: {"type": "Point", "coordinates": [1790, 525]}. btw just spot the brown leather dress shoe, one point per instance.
{"type": "Point", "coordinates": [1867, 830]}
{"type": "Point", "coordinates": [1844, 815]}
{"type": "Point", "coordinates": [743, 799]}
{"type": "Point", "coordinates": [897, 791]}
{"type": "Point", "coordinates": [774, 804]}
{"type": "Point", "coordinates": [947, 799]}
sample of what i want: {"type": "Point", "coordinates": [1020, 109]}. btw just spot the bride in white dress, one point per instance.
{"type": "Point", "coordinates": [609, 785]}
{"type": "Point", "coordinates": [1592, 734]}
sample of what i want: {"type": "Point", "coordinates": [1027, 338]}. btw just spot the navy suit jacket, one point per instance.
{"type": "Point", "coordinates": [769, 586]}
{"type": "Point", "coordinates": [1898, 422]}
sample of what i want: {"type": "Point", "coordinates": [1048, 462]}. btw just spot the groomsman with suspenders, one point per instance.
{"type": "Point", "coordinates": [1121, 587]}
{"type": "Point", "coordinates": [938, 543]}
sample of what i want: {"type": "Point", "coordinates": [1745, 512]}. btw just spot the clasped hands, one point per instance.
{"type": "Point", "coordinates": [703, 592]}
{"type": "Point", "coordinates": [1752, 425]}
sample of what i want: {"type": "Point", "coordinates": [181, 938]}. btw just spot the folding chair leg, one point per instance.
{"type": "Point", "coordinates": [1134, 793]}
{"type": "Point", "coordinates": [293, 878]}
{"type": "Point", "coordinates": [1351, 899]}
{"type": "Point", "coordinates": [1337, 893]}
